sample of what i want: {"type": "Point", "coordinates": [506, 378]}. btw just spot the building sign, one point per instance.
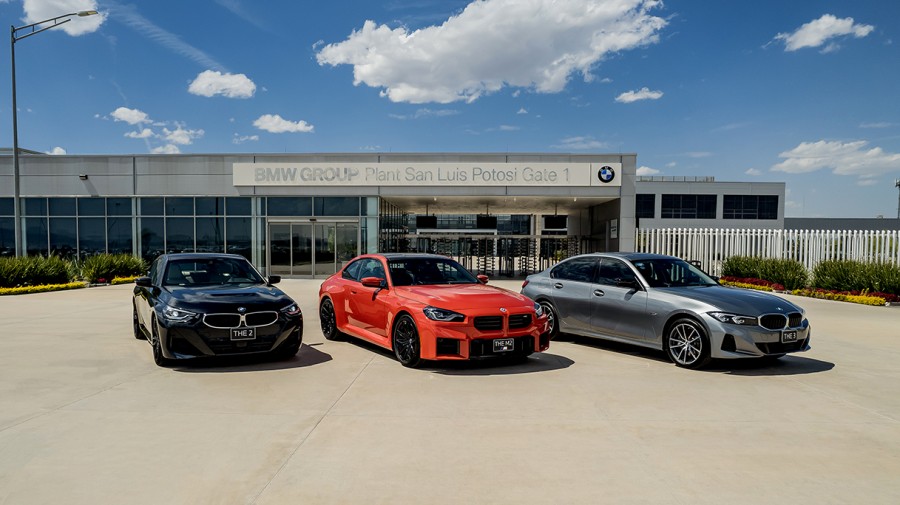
{"type": "Point", "coordinates": [427, 174]}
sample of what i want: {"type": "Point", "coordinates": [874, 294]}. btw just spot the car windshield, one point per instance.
{"type": "Point", "coordinates": [410, 271]}
{"type": "Point", "coordinates": [210, 272]}
{"type": "Point", "coordinates": [672, 272]}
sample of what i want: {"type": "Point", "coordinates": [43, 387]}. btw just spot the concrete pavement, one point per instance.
{"type": "Point", "coordinates": [86, 417]}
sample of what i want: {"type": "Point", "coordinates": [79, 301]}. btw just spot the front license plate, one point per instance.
{"type": "Point", "coordinates": [789, 336]}
{"type": "Point", "coordinates": [243, 333]}
{"type": "Point", "coordinates": [504, 344]}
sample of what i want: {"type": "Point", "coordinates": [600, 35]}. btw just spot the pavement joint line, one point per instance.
{"type": "Point", "coordinates": [315, 426]}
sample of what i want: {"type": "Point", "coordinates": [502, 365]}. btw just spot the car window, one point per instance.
{"type": "Point", "coordinates": [210, 272]}
{"type": "Point", "coordinates": [351, 273]}
{"type": "Point", "coordinates": [425, 271]}
{"type": "Point", "coordinates": [671, 272]}
{"type": "Point", "coordinates": [575, 269]}
{"type": "Point", "coordinates": [154, 271]}
{"type": "Point", "coordinates": [371, 267]}
{"type": "Point", "coordinates": [612, 271]}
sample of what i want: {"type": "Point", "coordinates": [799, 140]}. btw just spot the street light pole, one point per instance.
{"type": "Point", "coordinates": [897, 185]}
{"type": "Point", "coordinates": [14, 37]}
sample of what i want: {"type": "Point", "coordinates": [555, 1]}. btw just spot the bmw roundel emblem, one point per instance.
{"type": "Point", "coordinates": [606, 174]}
{"type": "Point", "coordinates": [242, 309]}
{"type": "Point", "coordinates": [502, 309]}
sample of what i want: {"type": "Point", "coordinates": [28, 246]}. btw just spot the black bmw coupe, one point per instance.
{"type": "Point", "coordinates": [200, 305]}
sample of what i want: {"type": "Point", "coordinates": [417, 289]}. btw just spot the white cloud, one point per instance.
{"type": "Point", "coordinates": [606, 80]}
{"type": "Point", "coordinates": [523, 110]}
{"type": "Point", "coordinates": [753, 171]}
{"type": "Point", "coordinates": [130, 116]}
{"type": "Point", "coordinates": [698, 154]}
{"type": "Point", "coordinates": [850, 158]}
{"type": "Point", "coordinates": [646, 171]}
{"type": "Point", "coordinates": [57, 151]}
{"type": "Point", "coordinates": [273, 123]}
{"type": "Point", "coordinates": [537, 45]}
{"type": "Point", "coordinates": [211, 83]}
{"type": "Point", "coordinates": [509, 128]}
{"type": "Point", "coordinates": [671, 164]}
{"type": "Point", "coordinates": [580, 144]}
{"type": "Point", "coordinates": [641, 94]}
{"type": "Point", "coordinates": [240, 139]}
{"type": "Point", "coordinates": [146, 133]}
{"type": "Point", "coordinates": [181, 136]}
{"type": "Point", "coordinates": [881, 124]}
{"type": "Point", "coordinates": [166, 149]}
{"type": "Point", "coordinates": [867, 182]}
{"type": "Point", "coordinates": [39, 10]}
{"type": "Point", "coordinates": [819, 31]}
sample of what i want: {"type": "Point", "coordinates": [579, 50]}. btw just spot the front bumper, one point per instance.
{"type": "Point", "coordinates": [463, 341]}
{"type": "Point", "coordinates": [196, 340]}
{"type": "Point", "coordinates": [730, 341]}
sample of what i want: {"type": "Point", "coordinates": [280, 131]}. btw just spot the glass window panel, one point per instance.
{"type": "Point", "coordinates": [210, 206]}
{"type": "Point", "coordinates": [238, 206]}
{"type": "Point", "coordinates": [7, 207]}
{"type": "Point", "coordinates": [336, 206]}
{"type": "Point", "coordinates": [210, 234]}
{"type": "Point", "coordinates": [645, 205]}
{"type": "Point", "coordinates": [238, 239]}
{"type": "Point", "coordinates": [119, 237]}
{"type": "Point", "coordinates": [151, 206]}
{"type": "Point", "coordinates": [289, 206]}
{"type": "Point", "coordinates": [35, 207]}
{"type": "Point", "coordinates": [180, 206]}
{"type": "Point", "coordinates": [118, 206]}
{"type": "Point", "coordinates": [370, 207]}
{"type": "Point", "coordinates": [63, 241]}
{"type": "Point", "coordinates": [179, 234]}
{"type": "Point", "coordinates": [62, 206]}
{"type": "Point", "coordinates": [91, 206]}
{"type": "Point", "coordinates": [706, 206]}
{"type": "Point", "coordinates": [36, 236]}
{"type": "Point", "coordinates": [91, 236]}
{"type": "Point", "coordinates": [152, 237]}
{"type": "Point", "coordinates": [7, 236]}
{"type": "Point", "coordinates": [768, 207]}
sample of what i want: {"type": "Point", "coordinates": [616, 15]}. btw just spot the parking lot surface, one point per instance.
{"type": "Point", "coordinates": [87, 418]}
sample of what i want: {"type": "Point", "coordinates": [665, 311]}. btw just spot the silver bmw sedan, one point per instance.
{"type": "Point", "coordinates": [666, 303]}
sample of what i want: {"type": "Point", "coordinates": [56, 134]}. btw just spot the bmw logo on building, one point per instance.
{"type": "Point", "coordinates": [606, 174]}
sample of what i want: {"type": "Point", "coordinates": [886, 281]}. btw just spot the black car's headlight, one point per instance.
{"type": "Point", "coordinates": [292, 310]}
{"type": "Point", "coordinates": [443, 315]}
{"type": "Point", "coordinates": [178, 315]}
{"type": "Point", "coordinates": [729, 318]}
{"type": "Point", "coordinates": [538, 310]}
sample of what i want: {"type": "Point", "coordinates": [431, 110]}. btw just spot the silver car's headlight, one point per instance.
{"type": "Point", "coordinates": [729, 318]}
{"type": "Point", "coordinates": [178, 315]}
{"type": "Point", "coordinates": [443, 315]}
{"type": "Point", "coordinates": [538, 310]}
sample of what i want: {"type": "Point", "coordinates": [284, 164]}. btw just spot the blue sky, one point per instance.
{"type": "Point", "coordinates": [801, 92]}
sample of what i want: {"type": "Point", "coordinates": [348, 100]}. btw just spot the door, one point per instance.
{"type": "Point", "coordinates": [311, 249]}
{"type": "Point", "coordinates": [619, 311]}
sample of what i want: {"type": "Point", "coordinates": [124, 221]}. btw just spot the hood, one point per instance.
{"type": "Point", "coordinates": [463, 296]}
{"type": "Point", "coordinates": [740, 301]}
{"type": "Point", "coordinates": [213, 298]}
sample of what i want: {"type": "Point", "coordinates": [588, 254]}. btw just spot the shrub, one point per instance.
{"type": "Point", "coordinates": [789, 273]}
{"type": "Point", "coordinates": [34, 270]}
{"type": "Point", "coordinates": [106, 267]}
{"type": "Point", "coordinates": [865, 298]}
{"type": "Point", "coordinates": [24, 290]}
{"type": "Point", "coordinates": [845, 275]}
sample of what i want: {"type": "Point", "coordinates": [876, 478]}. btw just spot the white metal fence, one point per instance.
{"type": "Point", "coordinates": [712, 246]}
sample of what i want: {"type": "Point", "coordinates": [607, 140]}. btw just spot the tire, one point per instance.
{"type": "Point", "coordinates": [328, 321]}
{"type": "Point", "coordinates": [136, 324]}
{"type": "Point", "coordinates": [156, 343]}
{"type": "Point", "coordinates": [405, 342]}
{"type": "Point", "coordinates": [552, 319]}
{"type": "Point", "coordinates": [687, 344]}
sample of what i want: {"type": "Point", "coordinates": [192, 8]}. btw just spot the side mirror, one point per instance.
{"type": "Point", "coordinates": [373, 282]}
{"type": "Point", "coordinates": [482, 279]}
{"type": "Point", "coordinates": [274, 279]}
{"type": "Point", "coordinates": [143, 282]}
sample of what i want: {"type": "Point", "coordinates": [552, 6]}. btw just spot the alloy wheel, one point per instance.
{"type": "Point", "coordinates": [686, 344]}
{"type": "Point", "coordinates": [406, 342]}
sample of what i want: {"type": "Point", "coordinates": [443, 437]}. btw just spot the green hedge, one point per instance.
{"type": "Point", "coordinates": [106, 267]}
{"type": "Point", "coordinates": [35, 270]}
{"type": "Point", "coordinates": [843, 275]}
{"type": "Point", "coordinates": [789, 273]}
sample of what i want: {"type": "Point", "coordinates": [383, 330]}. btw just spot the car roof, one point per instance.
{"type": "Point", "coordinates": [403, 256]}
{"type": "Point", "coordinates": [200, 256]}
{"type": "Point", "coordinates": [630, 256]}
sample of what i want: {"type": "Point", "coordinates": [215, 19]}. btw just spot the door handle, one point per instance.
{"type": "Point", "coordinates": [599, 292]}
{"type": "Point", "coordinates": [558, 285]}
